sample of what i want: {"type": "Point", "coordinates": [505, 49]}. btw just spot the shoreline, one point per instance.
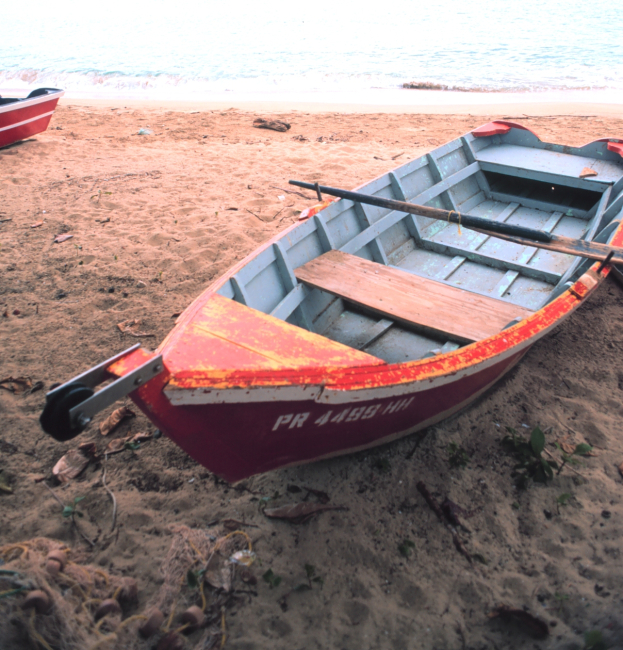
{"type": "Point", "coordinates": [385, 101]}
{"type": "Point", "coordinates": [508, 110]}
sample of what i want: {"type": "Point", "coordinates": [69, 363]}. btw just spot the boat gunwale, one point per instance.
{"type": "Point", "coordinates": [470, 358]}
{"type": "Point", "coordinates": [26, 102]}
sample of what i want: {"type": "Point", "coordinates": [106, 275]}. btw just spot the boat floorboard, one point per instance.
{"type": "Point", "coordinates": [415, 301]}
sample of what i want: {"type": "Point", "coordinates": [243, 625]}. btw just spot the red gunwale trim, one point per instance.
{"type": "Point", "coordinates": [499, 127]}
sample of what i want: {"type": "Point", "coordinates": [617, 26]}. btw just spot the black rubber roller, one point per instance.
{"type": "Point", "coordinates": [55, 417]}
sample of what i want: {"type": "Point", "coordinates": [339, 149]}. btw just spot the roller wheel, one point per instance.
{"type": "Point", "coordinates": [55, 417]}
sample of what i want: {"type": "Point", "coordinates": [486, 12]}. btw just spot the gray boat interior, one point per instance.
{"type": "Point", "coordinates": [514, 178]}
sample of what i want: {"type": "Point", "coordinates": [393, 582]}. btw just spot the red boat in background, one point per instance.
{"type": "Point", "coordinates": [25, 117]}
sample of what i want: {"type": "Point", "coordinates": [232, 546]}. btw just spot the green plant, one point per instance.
{"type": "Point", "coordinates": [406, 548]}
{"type": "Point", "coordinates": [272, 579]}
{"type": "Point", "coordinates": [563, 499]}
{"type": "Point", "coordinates": [580, 450]}
{"type": "Point", "coordinates": [560, 599]}
{"type": "Point", "coordinates": [310, 572]}
{"type": "Point", "coordinates": [382, 465]}
{"type": "Point", "coordinates": [594, 640]}
{"type": "Point", "coordinates": [70, 511]}
{"type": "Point", "coordinates": [530, 463]}
{"type": "Point", "coordinates": [458, 457]}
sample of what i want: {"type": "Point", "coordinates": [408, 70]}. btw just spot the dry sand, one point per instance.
{"type": "Point", "coordinates": [154, 218]}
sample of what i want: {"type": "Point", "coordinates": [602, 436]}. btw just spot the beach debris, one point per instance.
{"type": "Point", "coordinates": [315, 209]}
{"type": "Point", "coordinates": [16, 385]}
{"type": "Point", "coordinates": [59, 239]}
{"type": "Point", "coordinates": [299, 513]}
{"type": "Point", "coordinates": [300, 138]}
{"type": "Point", "coordinates": [131, 327]}
{"type": "Point", "coordinates": [36, 225]}
{"type": "Point", "coordinates": [107, 606]}
{"type": "Point", "coordinates": [144, 131]}
{"type": "Point", "coordinates": [115, 419]}
{"type": "Point", "coordinates": [273, 125]}
{"type": "Point", "coordinates": [155, 618]}
{"type": "Point", "coordinates": [535, 626]}
{"type": "Point", "coordinates": [434, 506]}
{"type": "Point", "coordinates": [587, 172]}
{"type": "Point", "coordinates": [244, 558]}
{"type": "Point", "coordinates": [4, 483]}
{"type": "Point", "coordinates": [323, 497]}
{"type": "Point", "coordinates": [71, 465]}
{"type": "Point", "coordinates": [193, 617]}
{"type": "Point", "coordinates": [452, 511]}
{"type": "Point", "coordinates": [55, 562]}
{"type": "Point", "coordinates": [37, 600]}
{"type": "Point", "coordinates": [129, 442]}
{"type": "Point", "coordinates": [235, 524]}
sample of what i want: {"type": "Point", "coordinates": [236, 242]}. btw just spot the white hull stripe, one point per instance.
{"type": "Point", "coordinates": [32, 119]}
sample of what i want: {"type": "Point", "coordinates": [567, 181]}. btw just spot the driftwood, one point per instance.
{"type": "Point", "coordinates": [273, 125]}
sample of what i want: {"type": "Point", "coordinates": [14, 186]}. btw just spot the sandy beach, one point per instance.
{"type": "Point", "coordinates": [154, 218]}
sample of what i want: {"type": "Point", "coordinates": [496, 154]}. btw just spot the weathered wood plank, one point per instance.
{"type": "Point", "coordinates": [415, 301]}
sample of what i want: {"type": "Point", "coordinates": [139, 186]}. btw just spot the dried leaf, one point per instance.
{"type": "Point", "coordinates": [116, 445]}
{"type": "Point", "coordinates": [131, 327]}
{"type": "Point", "coordinates": [323, 497]}
{"type": "Point", "coordinates": [70, 465]}
{"type": "Point", "coordinates": [299, 513]}
{"type": "Point", "coordinates": [16, 385]}
{"type": "Point", "coordinates": [273, 125]}
{"type": "Point", "coordinates": [88, 449]}
{"type": "Point", "coordinates": [219, 578]}
{"type": "Point", "coordinates": [535, 626]}
{"type": "Point", "coordinates": [59, 239]}
{"type": "Point", "coordinates": [587, 172]}
{"type": "Point", "coordinates": [115, 419]}
{"type": "Point", "coordinates": [119, 444]}
{"type": "Point", "coordinates": [4, 483]}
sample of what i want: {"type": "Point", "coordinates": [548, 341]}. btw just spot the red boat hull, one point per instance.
{"type": "Point", "coordinates": [236, 441]}
{"type": "Point", "coordinates": [25, 118]}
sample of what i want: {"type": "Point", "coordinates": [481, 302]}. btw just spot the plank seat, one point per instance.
{"type": "Point", "coordinates": [419, 303]}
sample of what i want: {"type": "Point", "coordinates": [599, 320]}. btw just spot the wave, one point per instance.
{"type": "Point", "coordinates": [154, 85]}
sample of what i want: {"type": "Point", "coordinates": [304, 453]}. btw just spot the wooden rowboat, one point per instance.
{"type": "Point", "coordinates": [23, 118]}
{"type": "Point", "coordinates": [363, 324]}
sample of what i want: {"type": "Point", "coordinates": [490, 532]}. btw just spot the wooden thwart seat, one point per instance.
{"type": "Point", "coordinates": [409, 299]}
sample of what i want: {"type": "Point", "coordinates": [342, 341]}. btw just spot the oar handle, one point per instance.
{"type": "Point", "coordinates": [452, 216]}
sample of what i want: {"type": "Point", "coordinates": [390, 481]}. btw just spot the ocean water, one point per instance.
{"type": "Point", "coordinates": [199, 50]}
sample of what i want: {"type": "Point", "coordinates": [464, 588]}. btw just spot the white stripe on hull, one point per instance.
{"type": "Point", "coordinates": [32, 119]}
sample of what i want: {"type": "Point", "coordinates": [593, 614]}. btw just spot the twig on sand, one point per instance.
{"type": "Point", "coordinates": [434, 506]}
{"type": "Point", "coordinates": [283, 189]}
{"type": "Point", "coordinates": [112, 496]}
{"type": "Point", "coordinates": [255, 215]}
{"type": "Point", "coordinates": [73, 517]}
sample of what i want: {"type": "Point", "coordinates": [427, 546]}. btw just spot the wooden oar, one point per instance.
{"type": "Point", "coordinates": [509, 232]}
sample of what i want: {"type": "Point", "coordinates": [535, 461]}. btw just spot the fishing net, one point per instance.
{"type": "Point", "coordinates": [198, 573]}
